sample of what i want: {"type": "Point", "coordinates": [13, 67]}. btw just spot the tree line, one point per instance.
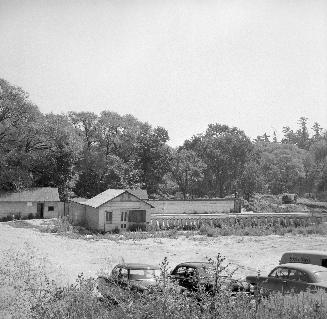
{"type": "Point", "coordinates": [86, 153]}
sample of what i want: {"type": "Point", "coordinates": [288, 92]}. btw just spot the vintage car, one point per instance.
{"type": "Point", "coordinates": [130, 276]}
{"type": "Point", "coordinates": [290, 277]}
{"type": "Point", "coordinates": [193, 276]}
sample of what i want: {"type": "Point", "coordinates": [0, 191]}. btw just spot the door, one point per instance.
{"type": "Point", "coordinates": [124, 220]}
{"type": "Point", "coordinates": [40, 210]}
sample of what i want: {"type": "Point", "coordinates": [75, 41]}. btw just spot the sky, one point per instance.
{"type": "Point", "coordinates": [258, 65]}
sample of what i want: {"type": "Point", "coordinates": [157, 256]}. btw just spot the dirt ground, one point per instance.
{"type": "Point", "coordinates": [69, 257]}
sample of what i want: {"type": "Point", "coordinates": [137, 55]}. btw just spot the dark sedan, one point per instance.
{"type": "Point", "coordinates": [195, 275]}
{"type": "Point", "coordinates": [290, 277]}
{"type": "Point", "coordinates": [130, 276]}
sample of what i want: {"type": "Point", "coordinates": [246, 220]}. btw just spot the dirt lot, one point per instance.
{"type": "Point", "coordinates": [66, 257]}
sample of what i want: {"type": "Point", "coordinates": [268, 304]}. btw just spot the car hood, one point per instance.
{"type": "Point", "coordinates": [322, 284]}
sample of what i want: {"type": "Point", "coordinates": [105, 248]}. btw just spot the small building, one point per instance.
{"type": "Point", "coordinates": [112, 209]}
{"type": "Point", "coordinates": [42, 202]}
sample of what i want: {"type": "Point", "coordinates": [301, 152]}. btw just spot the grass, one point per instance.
{"type": "Point", "coordinates": [316, 229]}
{"type": "Point", "coordinates": [63, 227]}
{"type": "Point", "coordinates": [27, 292]}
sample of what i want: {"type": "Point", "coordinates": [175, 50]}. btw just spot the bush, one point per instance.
{"type": "Point", "coordinates": [137, 227]}
{"type": "Point", "coordinates": [26, 292]}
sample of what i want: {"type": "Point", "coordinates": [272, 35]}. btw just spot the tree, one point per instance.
{"type": "Point", "coordinates": [225, 151]}
{"type": "Point", "coordinates": [282, 165]}
{"type": "Point", "coordinates": [187, 170]}
{"type": "Point", "coordinates": [20, 138]}
{"type": "Point", "coordinates": [153, 156]}
{"type": "Point", "coordinates": [54, 167]}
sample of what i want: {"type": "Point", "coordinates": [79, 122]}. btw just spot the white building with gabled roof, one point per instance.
{"type": "Point", "coordinates": [111, 209]}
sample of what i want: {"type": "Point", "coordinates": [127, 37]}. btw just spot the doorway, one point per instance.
{"type": "Point", "coordinates": [40, 210]}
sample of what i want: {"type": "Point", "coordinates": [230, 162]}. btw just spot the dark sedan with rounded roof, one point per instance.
{"type": "Point", "coordinates": [132, 276]}
{"type": "Point", "coordinates": [291, 277]}
{"type": "Point", "coordinates": [195, 275]}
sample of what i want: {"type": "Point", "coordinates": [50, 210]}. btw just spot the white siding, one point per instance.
{"type": "Point", "coordinates": [117, 206]}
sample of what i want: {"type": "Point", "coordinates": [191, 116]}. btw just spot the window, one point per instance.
{"type": "Point", "coordinates": [125, 218]}
{"type": "Point", "coordinates": [108, 217]}
{"type": "Point", "coordinates": [279, 273]}
{"type": "Point", "coordinates": [122, 217]}
{"type": "Point", "coordinates": [137, 216]}
{"type": "Point", "coordinates": [50, 208]}
{"type": "Point", "coordinates": [297, 275]}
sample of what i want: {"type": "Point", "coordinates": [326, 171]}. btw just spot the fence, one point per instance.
{"type": "Point", "coordinates": [160, 223]}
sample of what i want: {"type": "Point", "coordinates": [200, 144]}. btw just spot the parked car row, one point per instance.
{"type": "Point", "coordinates": [189, 276]}
{"type": "Point", "coordinates": [291, 275]}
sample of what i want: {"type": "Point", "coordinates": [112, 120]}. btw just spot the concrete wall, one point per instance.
{"type": "Point", "coordinates": [192, 206]}
{"type": "Point", "coordinates": [26, 208]}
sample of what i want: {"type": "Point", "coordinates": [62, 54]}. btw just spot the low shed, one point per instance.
{"type": "Point", "coordinates": [43, 202]}
{"type": "Point", "coordinates": [114, 208]}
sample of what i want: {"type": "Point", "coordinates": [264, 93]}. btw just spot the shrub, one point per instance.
{"type": "Point", "coordinates": [137, 227]}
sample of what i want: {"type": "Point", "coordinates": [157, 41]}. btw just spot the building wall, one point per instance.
{"type": "Point", "coordinates": [26, 208]}
{"type": "Point", "coordinates": [192, 206]}
{"type": "Point", "coordinates": [57, 212]}
{"type": "Point", "coordinates": [92, 217]}
{"type": "Point", "coordinates": [77, 213]}
{"type": "Point", "coordinates": [117, 207]}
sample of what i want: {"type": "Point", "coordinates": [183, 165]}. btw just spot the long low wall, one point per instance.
{"type": "Point", "coordinates": [243, 221]}
{"type": "Point", "coordinates": [192, 206]}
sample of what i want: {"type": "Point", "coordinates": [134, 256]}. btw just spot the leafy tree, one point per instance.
{"type": "Point", "coordinates": [20, 141]}
{"type": "Point", "coordinates": [54, 167]}
{"type": "Point", "coordinates": [282, 165]}
{"type": "Point", "coordinates": [187, 170]}
{"type": "Point", "coordinates": [225, 151]}
{"type": "Point", "coordinates": [153, 156]}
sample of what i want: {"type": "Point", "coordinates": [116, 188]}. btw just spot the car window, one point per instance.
{"type": "Point", "coordinates": [321, 276]}
{"type": "Point", "coordinates": [279, 273]}
{"type": "Point", "coordinates": [298, 275]}
{"type": "Point", "coordinates": [142, 274]}
{"type": "Point", "coordinates": [120, 273]}
{"type": "Point", "coordinates": [181, 271]}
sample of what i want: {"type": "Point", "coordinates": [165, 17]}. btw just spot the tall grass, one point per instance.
{"type": "Point", "coordinates": [239, 230]}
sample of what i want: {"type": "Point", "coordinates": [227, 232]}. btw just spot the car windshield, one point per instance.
{"type": "Point", "coordinates": [321, 276]}
{"type": "Point", "coordinates": [143, 274]}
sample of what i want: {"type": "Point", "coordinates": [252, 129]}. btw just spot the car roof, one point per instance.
{"type": "Point", "coordinates": [137, 266]}
{"type": "Point", "coordinates": [195, 264]}
{"type": "Point", "coordinates": [307, 252]}
{"type": "Point", "coordinates": [305, 267]}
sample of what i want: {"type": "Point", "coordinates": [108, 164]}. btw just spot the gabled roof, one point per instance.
{"type": "Point", "coordinates": [107, 196]}
{"type": "Point", "coordinates": [140, 193]}
{"type": "Point", "coordinates": [37, 194]}
{"type": "Point", "coordinates": [80, 200]}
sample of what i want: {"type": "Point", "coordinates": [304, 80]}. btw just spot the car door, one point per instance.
{"type": "Point", "coordinates": [185, 276]}
{"type": "Point", "coordinates": [297, 281]}
{"type": "Point", "coordinates": [276, 280]}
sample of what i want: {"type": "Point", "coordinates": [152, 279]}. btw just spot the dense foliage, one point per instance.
{"type": "Point", "coordinates": [87, 153]}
